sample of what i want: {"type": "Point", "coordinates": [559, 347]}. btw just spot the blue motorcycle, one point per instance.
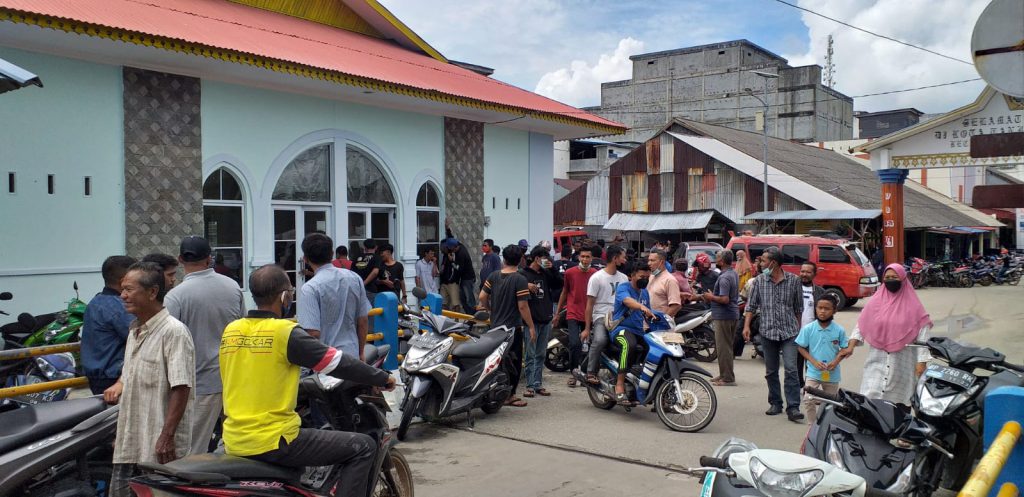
{"type": "Point", "coordinates": [683, 399]}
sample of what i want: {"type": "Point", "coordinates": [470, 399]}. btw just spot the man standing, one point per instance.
{"type": "Point", "coordinates": [332, 304]}
{"type": "Point", "coordinates": [600, 289]}
{"type": "Point", "coordinates": [105, 327]}
{"type": "Point", "coordinates": [574, 301]}
{"type": "Point", "coordinates": [341, 259]}
{"type": "Point", "coordinates": [489, 262]}
{"type": "Point", "coordinates": [725, 312]}
{"type": "Point", "coordinates": [467, 278]}
{"type": "Point", "coordinates": [811, 292]}
{"type": "Point", "coordinates": [168, 265]}
{"type": "Point", "coordinates": [392, 272]}
{"type": "Point", "coordinates": [663, 288]}
{"type": "Point", "coordinates": [451, 276]}
{"type": "Point", "coordinates": [506, 295]}
{"type": "Point", "coordinates": [426, 271]}
{"type": "Point", "coordinates": [205, 302]}
{"type": "Point", "coordinates": [541, 278]}
{"type": "Point", "coordinates": [367, 266]}
{"type": "Point", "coordinates": [779, 299]}
{"type": "Point", "coordinates": [155, 388]}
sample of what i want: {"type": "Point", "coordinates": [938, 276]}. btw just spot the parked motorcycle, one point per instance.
{"type": "Point", "coordinates": [557, 358]}
{"type": "Point", "coordinates": [951, 397]}
{"type": "Point", "coordinates": [58, 449]}
{"type": "Point", "coordinates": [698, 337]}
{"type": "Point", "coordinates": [65, 327]}
{"type": "Point", "coordinates": [348, 406]}
{"type": "Point", "coordinates": [739, 469]}
{"type": "Point", "coordinates": [663, 377]}
{"type": "Point", "coordinates": [436, 388]}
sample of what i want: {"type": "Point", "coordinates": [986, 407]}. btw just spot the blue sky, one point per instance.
{"type": "Point", "coordinates": [565, 49]}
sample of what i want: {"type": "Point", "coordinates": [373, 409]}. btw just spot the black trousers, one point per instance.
{"type": "Point", "coordinates": [354, 452]}
{"type": "Point", "coordinates": [514, 366]}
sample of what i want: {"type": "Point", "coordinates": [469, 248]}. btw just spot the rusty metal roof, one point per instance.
{"type": "Point", "coordinates": [669, 221]}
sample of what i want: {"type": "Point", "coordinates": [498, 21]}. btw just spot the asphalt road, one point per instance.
{"type": "Point", "coordinates": [563, 446]}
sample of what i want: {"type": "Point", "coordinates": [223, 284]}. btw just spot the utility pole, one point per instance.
{"type": "Point", "coordinates": [764, 127]}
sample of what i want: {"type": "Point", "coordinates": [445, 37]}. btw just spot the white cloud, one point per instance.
{"type": "Point", "coordinates": [868, 64]}
{"type": "Point", "coordinates": [580, 83]}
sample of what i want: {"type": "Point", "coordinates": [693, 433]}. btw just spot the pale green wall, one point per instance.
{"type": "Point", "coordinates": [72, 128]}
{"type": "Point", "coordinates": [507, 174]}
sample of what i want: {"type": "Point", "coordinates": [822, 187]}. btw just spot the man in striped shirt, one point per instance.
{"type": "Point", "coordinates": [779, 297]}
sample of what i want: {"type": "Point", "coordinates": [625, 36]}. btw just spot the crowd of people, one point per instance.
{"type": "Point", "coordinates": [178, 357]}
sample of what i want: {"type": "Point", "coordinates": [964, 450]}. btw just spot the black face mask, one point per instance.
{"type": "Point", "coordinates": [893, 285]}
{"type": "Point", "coordinates": [641, 283]}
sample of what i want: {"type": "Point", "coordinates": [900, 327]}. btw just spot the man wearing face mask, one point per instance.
{"type": "Point", "coordinates": [779, 298]}
{"type": "Point", "coordinates": [632, 311]}
{"type": "Point", "coordinates": [663, 288]}
{"type": "Point", "coordinates": [332, 305]}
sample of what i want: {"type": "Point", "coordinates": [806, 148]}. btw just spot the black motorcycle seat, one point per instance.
{"type": "Point", "coordinates": [481, 347]}
{"type": "Point", "coordinates": [372, 352]}
{"type": "Point", "coordinates": [212, 468]}
{"type": "Point", "coordinates": [961, 355]}
{"type": "Point", "coordinates": [30, 423]}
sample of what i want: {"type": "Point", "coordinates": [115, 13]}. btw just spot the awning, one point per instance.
{"type": "Point", "coordinates": [669, 221]}
{"type": "Point", "coordinates": [13, 77]}
{"type": "Point", "coordinates": [961, 230]}
{"type": "Point", "coordinates": [1003, 215]}
{"type": "Point", "coordinates": [814, 215]}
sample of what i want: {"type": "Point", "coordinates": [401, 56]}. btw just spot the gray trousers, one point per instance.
{"type": "Point", "coordinates": [598, 342]}
{"type": "Point", "coordinates": [119, 480]}
{"type": "Point", "coordinates": [725, 333]}
{"type": "Point", "coordinates": [355, 452]}
{"type": "Point", "coordinates": [204, 420]}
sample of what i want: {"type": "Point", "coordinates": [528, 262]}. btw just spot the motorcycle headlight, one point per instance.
{"type": "Point", "coordinates": [436, 355]}
{"type": "Point", "coordinates": [776, 484]}
{"type": "Point", "coordinates": [834, 456]}
{"type": "Point", "coordinates": [46, 368]}
{"type": "Point", "coordinates": [930, 405]}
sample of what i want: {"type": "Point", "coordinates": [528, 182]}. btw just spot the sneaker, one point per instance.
{"type": "Point", "coordinates": [774, 410]}
{"type": "Point", "coordinates": [795, 416]}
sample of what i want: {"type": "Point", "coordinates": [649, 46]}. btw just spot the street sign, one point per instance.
{"type": "Point", "coordinates": [997, 46]}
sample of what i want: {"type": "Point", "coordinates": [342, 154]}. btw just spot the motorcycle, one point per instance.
{"type": "Point", "coordinates": [698, 337]}
{"type": "Point", "coordinates": [951, 397]}
{"type": "Point", "coordinates": [58, 449]}
{"type": "Point", "coordinates": [857, 434]}
{"type": "Point", "coordinates": [436, 388]}
{"type": "Point", "coordinates": [683, 400]}
{"type": "Point", "coordinates": [65, 326]}
{"type": "Point", "coordinates": [557, 358]}
{"type": "Point", "coordinates": [739, 469]}
{"type": "Point", "coordinates": [348, 406]}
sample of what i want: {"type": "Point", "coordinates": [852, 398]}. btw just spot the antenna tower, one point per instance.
{"type": "Point", "coordinates": [830, 66]}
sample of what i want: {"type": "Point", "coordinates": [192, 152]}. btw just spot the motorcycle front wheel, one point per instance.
{"type": "Point", "coordinates": [985, 280]}
{"type": "Point", "coordinates": [412, 406]}
{"type": "Point", "coordinates": [395, 481]}
{"type": "Point", "coordinates": [705, 350]}
{"type": "Point", "coordinates": [693, 411]}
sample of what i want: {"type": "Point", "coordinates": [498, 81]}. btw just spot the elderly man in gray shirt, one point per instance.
{"type": "Point", "coordinates": [332, 305]}
{"type": "Point", "coordinates": [205, 302]}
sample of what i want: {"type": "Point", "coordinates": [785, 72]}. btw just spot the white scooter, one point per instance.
{"type": "Point", "coordinates": [739, 468]}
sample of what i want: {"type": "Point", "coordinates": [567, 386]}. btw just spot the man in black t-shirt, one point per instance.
{"type": "Point", "coordinates": [542, 279]}
{"type": "Point", "coordinates": [506, 295]}
{"type": "Point", "coordinates": [367, 266]}
{"type": "Point", "coordinates": [392, 272]}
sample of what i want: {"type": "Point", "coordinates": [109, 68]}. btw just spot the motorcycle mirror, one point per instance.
{"type": "Point", "coordinates": [75, 286]}
{"type": "Point", "coordinates": [419, 293]}
{"type": "Point", "coordinates": [482, 316]}
{"type": "Point", "coordinates": [27, 321]}
{"type": "Point", "coordinates": [6, 296]}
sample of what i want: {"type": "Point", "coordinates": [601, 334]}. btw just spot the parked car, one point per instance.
{"type": "Point", "coordinates": [689, 250]}
{"type": "Point", "coordinates": [564, 237]}
{"type": "Point", "coordinates": [843, 270]}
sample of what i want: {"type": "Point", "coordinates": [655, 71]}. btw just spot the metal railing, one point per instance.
{"type": "Point", "coordinates": [991, 464]}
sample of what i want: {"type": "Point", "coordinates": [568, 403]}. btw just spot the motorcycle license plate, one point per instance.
{"type": "Point", "coordinates": [954, 376]}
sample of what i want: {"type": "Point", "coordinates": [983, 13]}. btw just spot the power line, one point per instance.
{"type": "Point", "coordinates": [872, 33]}
{"type": "Point", "coordinates": [919, 88]}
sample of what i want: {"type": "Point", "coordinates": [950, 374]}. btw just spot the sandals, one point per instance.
{"type": "Point", "coordinates": [515, 402]}
{"type": "Point", "coordinates": [543, 392]}
{"type": "Point", "coordinates": [529, 393]}
{"type": "Point", "coordinates": [723, 383]}
{"type": "Point", "coordinates": [571, 383]}
{"type": "Point", "coordinates": [623, 400]}
{"type": "Point", "coordinates": [593, 379]}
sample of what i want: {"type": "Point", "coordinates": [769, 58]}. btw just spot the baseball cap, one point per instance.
{"type": "Point", "coordinates": [524, 244]}
{"type": "Point", "coordinates": [194, 248]}
{"type": "Point", "coordinates": [451, 243]}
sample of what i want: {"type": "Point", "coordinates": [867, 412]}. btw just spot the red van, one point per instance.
{"type": "Point", "coordinates": [843, 270]}
{"type": "Point", "coordinates": [561, 238]}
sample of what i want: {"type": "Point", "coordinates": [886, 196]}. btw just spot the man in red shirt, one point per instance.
{"type": "Point", "coordinates": [341, 259]}
{"type": "Point", "coordinates": [574, 301]}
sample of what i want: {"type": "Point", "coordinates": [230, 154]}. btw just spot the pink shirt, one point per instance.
{"type": "Point", "coordinates": [684, 284]}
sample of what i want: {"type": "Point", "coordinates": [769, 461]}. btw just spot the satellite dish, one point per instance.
{"type": "Point", "coordinates": [997, 46]}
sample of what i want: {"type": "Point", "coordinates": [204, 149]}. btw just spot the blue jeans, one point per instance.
{"type": "Point", "coordinates": [468, 293]}
{"type": "Point", "coordinates": [534, 354]}
{"type": "Point", "coordinates": [788, 350]}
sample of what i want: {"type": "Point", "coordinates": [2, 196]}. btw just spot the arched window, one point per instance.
{"type": "Point", "coordinates": [428, 218]}
{"type": "Point", "coordinates": [307, 178]}
{"type": "Point", "coordinates": [371, 202]}
{"type": "Point", "coordinates": [223, 223]}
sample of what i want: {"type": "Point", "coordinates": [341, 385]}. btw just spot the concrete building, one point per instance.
{"type": "Point", "coordinates": [876, 124]}
{"type": "Point", "coordinates": [254, 123]}
{"type": "Point", "coordinates": [709, 84]}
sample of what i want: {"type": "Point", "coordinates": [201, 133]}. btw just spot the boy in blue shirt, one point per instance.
{"type": "Point", "coordinates": [823, 344]}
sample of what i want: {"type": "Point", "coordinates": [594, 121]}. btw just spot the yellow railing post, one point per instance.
{"type": "Point", "coordinates": [16, 354]}
{"type": "Point", "coordinates": [43, 387]}
{"type": "Point", "coordinates": [987, 470]}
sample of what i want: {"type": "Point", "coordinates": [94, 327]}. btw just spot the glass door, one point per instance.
{"type": "Point", "coordinates": [291, 225]}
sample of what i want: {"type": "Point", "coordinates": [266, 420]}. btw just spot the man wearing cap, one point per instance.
{"type": "Point", "coordinates": [451, 276]}
{"type": "Point", "coordinates": [467, 276]}
{"type": "Point", "coordinates": [205, 302]}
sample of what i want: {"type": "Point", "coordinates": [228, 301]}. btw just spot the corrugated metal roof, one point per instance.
{"type": "Point", "coordinates": [840, 177]}
{"type": "Point", "coordinates": [781, 181]}
{"type": "Point", "coordinates": [235, 27]}
{"type": "Point", "coordinates": [814, 215]}
{"type": "Point", "coordinates": [629, 221]}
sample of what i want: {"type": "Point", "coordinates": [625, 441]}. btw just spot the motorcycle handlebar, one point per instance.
{"type": "Point", "coordinates": [877, 492]}
{"type": "Point", "coordinates": [1013, 367]}
{"type": "Point", "coordinates": [823, 394]}
{"type": "Point", "coordinates": [715, 462]}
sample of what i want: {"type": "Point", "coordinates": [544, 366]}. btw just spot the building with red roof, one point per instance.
{"type": "Point", "coordinates": [255, 123]}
